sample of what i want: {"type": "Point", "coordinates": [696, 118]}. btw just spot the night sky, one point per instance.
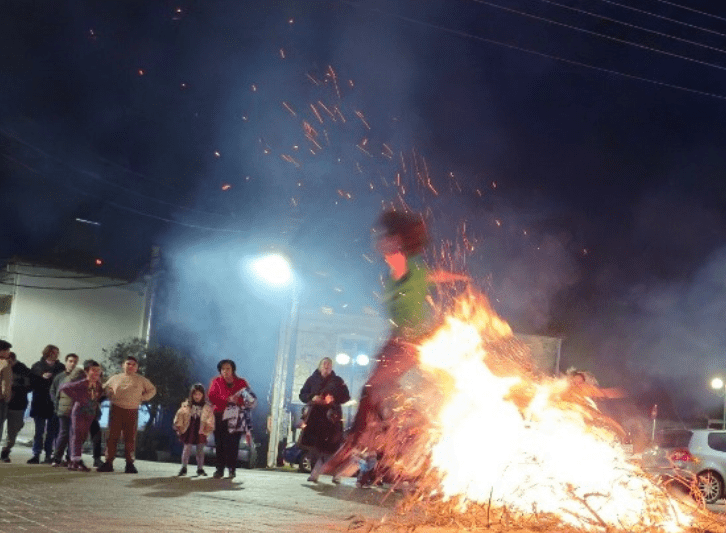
{"type": "Point", "coordinates": [568, 154]}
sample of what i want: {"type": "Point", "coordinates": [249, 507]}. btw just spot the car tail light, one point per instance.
{"type": "Point", "coordinates": [682, 455]}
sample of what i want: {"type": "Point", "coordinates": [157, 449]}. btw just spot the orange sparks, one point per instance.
{"type": "Point", "coordinates": [362, 119]}
{"type": "Point", "coordinates": [334, 77]}
{"type": "Point", "coordinates": [320, 119]}
{"type": "Point", "coordinates": [330, 113]}
{"type": "Point", "coordinates": [141, 72]}
{"type": "Point", "coordinates": [337, 111]}
{"type": "Point", "coordinates": [282, 53]}
{"type": "Point", "coordinates": [287, 106]}
{"type": "Point", "coordinates": [362, 147]}
{"type": "Point", "coordinates": [254, 88]}
{"type": "Point", "coordinates": [291, 21]}
{"type": "Point", "coordinates": [183, 85]}
{"type": "Point", "coordinates": [226, 187]}
{"type": "Point", "coordinates": [309, 76]}
{"type": "Point", "coordinates": [498, 223]}
{"type": "Point", "coordinates": [344, 194]}
{"type": "Point", "coordinates": [216, 153]}
{"type": "Point", "coordinates": [387, 152]}
{"type": "Point", "coordinates": [289, 159]}
{"type": "Point", "coordinates": [494, 185]}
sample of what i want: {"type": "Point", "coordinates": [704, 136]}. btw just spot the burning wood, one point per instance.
{"type": "Point", "coordinates": [478, 439]}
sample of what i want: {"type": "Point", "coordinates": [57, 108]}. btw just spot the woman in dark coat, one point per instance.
{"type": "Point", "coordinates": [323, 392]}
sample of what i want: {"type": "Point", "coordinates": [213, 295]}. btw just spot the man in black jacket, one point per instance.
{"type": "Point", "coordinates": [16, 407]}
{"type": "Point", "coordinates": [41, 406]}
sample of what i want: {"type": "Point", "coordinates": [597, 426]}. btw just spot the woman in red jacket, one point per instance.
{"type": "Point", "coordinates": [230, 395]}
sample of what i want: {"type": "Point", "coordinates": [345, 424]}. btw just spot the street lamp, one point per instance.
{"type": "Point", "coordinates": [718, 384]}
{"type": "Point", "coordinates": [275, 271]}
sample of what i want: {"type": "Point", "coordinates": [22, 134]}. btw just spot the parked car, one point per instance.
{"type": "Point", "coordinates": [693, 457]}
{"type": "Point", "coordinates": [246, 456]}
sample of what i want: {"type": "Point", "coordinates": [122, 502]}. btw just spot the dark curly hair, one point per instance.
{"type": "Point", "coordinates": [410, 228]}
{"type": "Point", "coordinates": [228, 362]}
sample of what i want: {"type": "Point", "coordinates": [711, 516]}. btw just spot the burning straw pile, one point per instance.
{"type": "Point", "coordinates": [481, 441]}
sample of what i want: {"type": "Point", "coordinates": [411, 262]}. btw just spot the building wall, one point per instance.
{"type": "Point", "coordinates": [320, 335]}
{"type": "Point", "coordinates": [81, 321]}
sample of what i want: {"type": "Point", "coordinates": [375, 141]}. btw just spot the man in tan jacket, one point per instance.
{"type": "Point", "coordinates": [6, 381]}
{"type": "Point", "coordinates": [126, 391]}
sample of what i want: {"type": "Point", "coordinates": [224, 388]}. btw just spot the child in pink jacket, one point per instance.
{"type": "Point", "coordinates": [193, 422]}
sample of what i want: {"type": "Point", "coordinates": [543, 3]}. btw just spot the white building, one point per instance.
{"type": "Point", "coordinates": [77, 312]}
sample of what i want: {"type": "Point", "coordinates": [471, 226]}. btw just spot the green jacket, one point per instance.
{"type": "Point", "coordinates": [406, 300]}
{"type": "Point", "coordinates": [62, 402]}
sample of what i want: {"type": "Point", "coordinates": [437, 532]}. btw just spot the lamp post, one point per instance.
{"type": "Point", "coordinates": [275, 271]}
{"type": "Point", "coordinates": [718, 384]}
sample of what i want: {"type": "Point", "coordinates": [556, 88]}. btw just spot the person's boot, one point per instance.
{"type": "Point", "coordinates": [48, 459]}
{"type": "Point", "coordinates": [5, 455]}
{"type": "Point", "coordinates": [78, 466]}
{"type": "Point", "coordinates": [35, 460]}
{"type": "Point", "coordinates": [232, 473]}
{"type": "Point", "coordinates": [218, 474]}
{"type": "Point", "coordinates": [183, 471]}
{"type": "Point", "coordinates": [130, 468]}
{"type": "Point", "coordinates": [105, 467]}
{"type": "Point", "coordinates": [201, 472]}
{"type": "Point", "coordinates": [97, 462]}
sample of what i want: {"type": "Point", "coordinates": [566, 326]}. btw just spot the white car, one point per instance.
{"type": "Point", "coordinates": [694, 457]}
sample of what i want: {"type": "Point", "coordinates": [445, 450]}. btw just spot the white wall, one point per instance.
{"type": "Point", "coordinates": [81, 321]}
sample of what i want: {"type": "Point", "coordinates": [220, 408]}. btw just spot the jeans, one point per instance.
{"type": "Point", "coordinates": [61, 441]}
{"type": "Point", "coordinates": [47, 427]}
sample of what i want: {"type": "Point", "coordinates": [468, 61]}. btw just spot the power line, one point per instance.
{"type": "Point", "coordinates": [96, 177]}
{"type": "Point", "coordinates": [123, 207]}
{"type": "Point", "coordinates": [663, 18]}
{"type": "Point", "coordinates": [460, 33]}
{"type": "Point", "coordinates": [691, 9]}
{"type": "Point", "coordinates": [67, 288]}
{"type": "Point", "coordinates": [629, 25]}
{"type": "Point", "coordinates": [601, 35]}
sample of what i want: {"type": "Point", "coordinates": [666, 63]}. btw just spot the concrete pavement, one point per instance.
{"type": "Point", "coordinates": [42, 499]}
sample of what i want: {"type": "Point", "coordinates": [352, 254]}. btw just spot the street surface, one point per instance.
{"type": "Point", "coordinates": [40, 498]}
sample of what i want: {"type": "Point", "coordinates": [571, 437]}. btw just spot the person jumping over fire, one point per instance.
{"type": "Point", "coordinates": [403, 238]}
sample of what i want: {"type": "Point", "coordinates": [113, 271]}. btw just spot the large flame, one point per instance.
{"type": "Point", "coordinates": [504, 435]}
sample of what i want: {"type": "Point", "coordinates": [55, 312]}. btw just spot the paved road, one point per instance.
{"type": "Point", "coordinates": [39, 498]}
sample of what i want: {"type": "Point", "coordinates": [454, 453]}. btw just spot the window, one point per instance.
{"type": "Point", "coordinates": [6, 301]}
{"type": "Point", "coordinates": [717, 441]}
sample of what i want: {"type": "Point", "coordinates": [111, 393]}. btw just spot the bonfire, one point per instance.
{"type": "Point", "coordinates": [481, 440]}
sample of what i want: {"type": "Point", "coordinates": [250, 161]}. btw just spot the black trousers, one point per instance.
{"type": "Point", "coordinates": [226, 444]}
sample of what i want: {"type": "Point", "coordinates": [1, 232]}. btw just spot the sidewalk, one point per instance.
{"type": "Point", "coordinates": [39, 498]}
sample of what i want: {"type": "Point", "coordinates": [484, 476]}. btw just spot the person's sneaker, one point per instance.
{"type": "Point", "coordinates": [48, 460]}
{"type": "Point", "coordinates": [57, 464]}
{"type": "Point", "coordinates": [78, 466]}
{"type": "Point", "coordinates": [97, 462]}
{"type": "Point", "coordinates": [232, 474]}
{"type": "Point", "coordinates": [5, 455]}
{"type": "Point", "coordinates": [201, 472]}
{"type": "Point", "coordinates": [218, 474]}
{"type": "Point", "coordinates": [105, 467]}
{"type": "Point", "coordinates": [336, 480]}
{"type": "Point", "coordinates": [183, 471]}
{"type": "Point", "coordinates": [34, 460]}
{"type": "Point", "coordinates": [130, 468]}
{"type": "Point", "coordinates": [312, 479]}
